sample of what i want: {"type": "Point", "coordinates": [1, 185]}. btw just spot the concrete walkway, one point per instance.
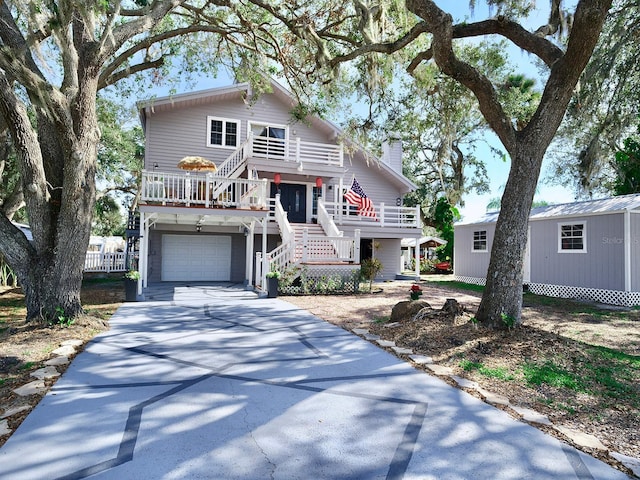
{"type": "Point", "coordinates": [214, 383]}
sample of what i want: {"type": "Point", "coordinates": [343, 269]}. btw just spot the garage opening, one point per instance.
{"type": "Point", "coordinates": [196, 258]}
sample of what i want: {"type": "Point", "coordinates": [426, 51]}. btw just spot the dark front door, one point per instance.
{"type": "Point", "coordinates": [294, 201]}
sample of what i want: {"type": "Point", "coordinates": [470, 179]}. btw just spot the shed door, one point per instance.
{"type": "Point", "coordinates": [196, 258]}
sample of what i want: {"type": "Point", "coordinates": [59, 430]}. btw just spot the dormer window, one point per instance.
{"type": "Point", "coordinates": [222, 132]}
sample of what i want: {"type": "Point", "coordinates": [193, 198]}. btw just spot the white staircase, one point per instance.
{"type": "Point", "coordinates": [231, 168]}
{"type": "Point", "coordinates": [309, 244]}
{"type": "Point", "coordinates": [312, 245]}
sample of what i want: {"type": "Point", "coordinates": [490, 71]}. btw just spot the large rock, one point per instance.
{"type": "Point", "coordinates": [452, 308]}
{"type": "Point", "coordinates": [407, 309]}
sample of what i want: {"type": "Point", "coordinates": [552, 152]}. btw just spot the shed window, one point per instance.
{"type": "Point", "coordinates": [480, 241]}
{"type": "Point", "coordinates": [222, 132]}
{"type": "Point", "coordinates": [571, 237]}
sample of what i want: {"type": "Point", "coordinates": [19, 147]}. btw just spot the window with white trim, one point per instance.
{"type": "Point", "coordinates": [222, 132]}
{"type": "Point", "coordinates": [572, 237]}
{"type": "Point", "coordinates": [480, 241]}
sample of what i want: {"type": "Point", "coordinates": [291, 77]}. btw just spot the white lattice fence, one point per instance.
{"type": "Point", "coordinates": [608, 297]}
{"type": "Point", "coordinates": [471, 280]}
{"type": "Point", "coordinates": [325, 279]}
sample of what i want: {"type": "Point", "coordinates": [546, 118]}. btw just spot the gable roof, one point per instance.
{"type": "Point", "coordinates": [242, 91]}
{"type": "Point", "coordinates": [411, 242]}
{"type": "Point", "coordinates": [576, 209]}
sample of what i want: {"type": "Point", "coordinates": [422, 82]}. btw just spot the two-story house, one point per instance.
{"type": "Point", "coordinates": [274, 199]}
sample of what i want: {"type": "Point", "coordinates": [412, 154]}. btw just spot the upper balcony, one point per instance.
{"type": "Point", "coordinates": [204, 190]}
{"type": "Point", "coordinates": [293, 157]}
{"type": "Point", "coordinates": [297, 151]}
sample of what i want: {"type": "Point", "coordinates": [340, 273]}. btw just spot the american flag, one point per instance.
{"type": "Point", "coordinates": [356, 196]}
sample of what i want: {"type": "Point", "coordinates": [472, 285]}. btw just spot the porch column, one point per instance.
{"type": "Point", "coordinates": [417, 258]}
{"type": "Point", "coordinates": [249, 243]}
{"type": "Point", "coordinates": [356, 246]}
{"type": "Point", "coordinates": [265, 259]}
{"type": "Point", "coordinates": [339, 202]}
{"type": "Point", "coordinates": [142, 260]}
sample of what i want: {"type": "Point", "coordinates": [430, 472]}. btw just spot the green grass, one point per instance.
{"type": "Point", "coordinates": [457, 284]}
{"type": "Point", "coordinates": [498, 373]}
{"type": "Point", "coordinates": [614, 374]}
{"type": "Point", "coordinates": [11, 302]}
{"type": "Point", "coordinates": [551, 374]}
{"type": "Point", "coordinates": [380, 320]}
{"type": "Point", "coordinates": [605, 373]}
{"type": "Point", "coordinates": [27, 365]}
{"type": "Point", "coordinates": [103, 280]}
{"type": "Point", "coordinates": [6, 380]}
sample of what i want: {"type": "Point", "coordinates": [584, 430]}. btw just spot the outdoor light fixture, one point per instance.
{"type": "Point", "coordinates": [398, 202]}
{"type": "Point", "coordinates": [198, 228]}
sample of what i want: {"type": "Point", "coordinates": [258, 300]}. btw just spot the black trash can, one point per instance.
{"type": "Point", "coordinates": [130, 290]}
{"type": "Point", "coordinates": [272, 287]}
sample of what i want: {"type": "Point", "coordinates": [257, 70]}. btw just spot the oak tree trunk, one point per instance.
{"type": "Point", "coordinates": [501, 303]}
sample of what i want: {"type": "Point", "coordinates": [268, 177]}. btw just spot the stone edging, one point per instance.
{"type": "Point", "coordinates": [579, 439]}
{"type": "Point", "coordinates": [67, 349]}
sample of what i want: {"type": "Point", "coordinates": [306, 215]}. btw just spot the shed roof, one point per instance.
{"type": "Point", "coordinates": [576, 209]}
{"type": "Point", "coordinates": [411, 242]}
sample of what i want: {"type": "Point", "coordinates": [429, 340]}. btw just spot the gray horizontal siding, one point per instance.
{"type": "Point", "coordinates": [388, 252]}
{"type": "Point", "coordinates": [371, 177]}
{"type": "Point", "coordinates": [466, 262]}
{"type": "Point", "coordinates": [601, 267]}
{"type": "Point", "coordinates": [635, 251]}
{"type": "Point", "coordinates": [172, 135]}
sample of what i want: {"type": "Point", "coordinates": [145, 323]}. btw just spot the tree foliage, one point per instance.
{"type": "Point", "coordinates": [445, 215]}
{"type": "Point", "coordinates": [55, 56]}
{"type": "Point", "coordinates": [627, 167]}
{"type": "Point", "coordinates": [604, 108]}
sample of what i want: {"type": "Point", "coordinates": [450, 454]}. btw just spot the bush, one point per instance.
{"type": "Point", "coordinates": [369, 268]}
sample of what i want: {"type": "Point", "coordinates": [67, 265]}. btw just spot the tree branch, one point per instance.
{"type": "Point", "coordinates": [440, 24]}
{"type": "Point", "coordinates": [513, 31]}
{"type": "Point", "coordinates": [421, 57]}
{"type": "Point", "coordinates": [391, 47]}
{"type": "Point", "coordinates": [125, 72]}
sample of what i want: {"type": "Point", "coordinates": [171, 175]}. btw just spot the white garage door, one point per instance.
{"type": "Point", "coordinates": [196, 258]}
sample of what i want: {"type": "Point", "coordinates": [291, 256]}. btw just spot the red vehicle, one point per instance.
{"type": "Point", "coordinates": [443, 267]}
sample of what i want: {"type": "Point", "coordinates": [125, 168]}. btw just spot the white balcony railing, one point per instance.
{"type": "Point", "coordinates": [201, 189]}
{"type": "Point", "coordinates": [386, 216]}
{"type": "Point", "coordinates": [296, 151]}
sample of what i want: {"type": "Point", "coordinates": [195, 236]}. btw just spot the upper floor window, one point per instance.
{"type": "Point", "coordinates": [571, 237]}
{"type": "Point", "coordinates": [269, 140]}
{"type": "Point", "coordinates": [222, 132]}
{"type": "Point", "coordinates": [480, 241]}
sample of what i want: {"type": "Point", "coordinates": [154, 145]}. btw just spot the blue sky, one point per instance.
{"type": "Point", "coordinates": [498, 170]}
{"type": "Point", "coordinates": [475, 205]}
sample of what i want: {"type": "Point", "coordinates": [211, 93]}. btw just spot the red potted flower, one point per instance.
{"type": "Point", "coordinates": [415, 291]}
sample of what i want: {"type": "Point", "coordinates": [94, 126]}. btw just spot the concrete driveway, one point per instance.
{"type": "Point", "coordinates": [210, 382]}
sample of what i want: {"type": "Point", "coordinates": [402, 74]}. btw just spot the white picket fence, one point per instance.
{"type": "Point", "coordinates": [105, 262]}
